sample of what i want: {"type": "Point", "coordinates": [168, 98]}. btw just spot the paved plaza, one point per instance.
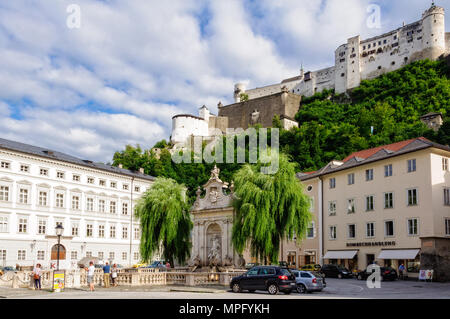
{"type": "Point", "coordinates": [336, 288]}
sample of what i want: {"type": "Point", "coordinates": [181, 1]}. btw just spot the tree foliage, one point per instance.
{"type": "Point", "coordinates": [163, 212]}
{"type": "Point", "coordinates": [268, 209]}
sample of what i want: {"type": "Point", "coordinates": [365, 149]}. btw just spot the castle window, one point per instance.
{"type": "Point", "coordinates": [406, 59]}
{"type": "Point", "coordinates": [342, 74]}
{"type": "Point", "coordinates": [385, 41]}
{"type": "Point", "coordinates": [364, 47]}
{"type": "Point", "coordinates": [395, 37]}
{"type": "Point", "coordinates": [379, 67]}
{"type": "Point", "coordinates": [379, 42]}
{"type": "Point", "coordinates": [393, 63]}
{"type": "Point", "coordinates": [419, 38]}
{"type": "Point", "coordinates": [369, 46]}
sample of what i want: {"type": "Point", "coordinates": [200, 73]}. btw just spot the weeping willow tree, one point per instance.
{"type": "Point", "coordinates": [163, 212]}
{"type": "Point", "coordinates": [268, 209]}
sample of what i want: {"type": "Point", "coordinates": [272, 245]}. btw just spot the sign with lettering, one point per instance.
{"type": "Point", "coordinates": [373, 243]}
{"type": "Point", "coordinates": [58, 280]}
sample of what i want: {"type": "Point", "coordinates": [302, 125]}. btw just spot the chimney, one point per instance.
{"type": "Point", "coordinates": [120, 166]}
{"type": "Point", "coordinates": [141, 170]}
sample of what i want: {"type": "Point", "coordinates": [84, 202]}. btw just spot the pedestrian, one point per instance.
{"type": "Point", "coordinates": [401, 269]}
{"type": "Point", "coordinates": [90, 275]}
{"type": "Point", "coordinates": [37, 276]}
{"type": "Point", "coordinates": [167, 265]}
{"type": "Point", "coordinates": [106, 274]}
{"type": "Point", "coordinates": [114, 275]}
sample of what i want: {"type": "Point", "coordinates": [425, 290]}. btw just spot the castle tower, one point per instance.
{"type": "Point", "coordinates": [204, 113]}
{"type": "Point", "coordinates": [433, 22]}
{"type": "Point", "coordinates": [239, 88]}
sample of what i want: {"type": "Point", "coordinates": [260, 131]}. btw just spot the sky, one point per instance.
{"type": "Point", "coordinates": [130, 66]}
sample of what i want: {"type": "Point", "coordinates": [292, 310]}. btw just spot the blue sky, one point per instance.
{"type": "Point", "coordinates": [132, 65]}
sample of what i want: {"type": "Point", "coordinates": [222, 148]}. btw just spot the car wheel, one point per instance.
{"type": "Point", "coordinates": [237, 288]}
{"type": "Point", "coordinates": [301, 289]}
{"type": "Point", "coordinates": [340, 276]}
{"type": "Point", "coordinates": [272, 289]}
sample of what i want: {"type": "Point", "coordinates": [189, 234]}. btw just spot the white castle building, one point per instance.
{"type": "Point", "coordinates": [41, 188]}
{"type": "Point", "coordinates": [359, 59]}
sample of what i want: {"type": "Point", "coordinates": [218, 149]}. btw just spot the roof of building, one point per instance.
{"type": "Point", "coordinates": [58, 156]}
{"type": "Point", "coordinates": [373, 155]}
{"type": "Point", "coordinates": [432, 114]}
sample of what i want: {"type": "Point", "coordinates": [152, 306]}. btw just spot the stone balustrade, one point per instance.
{"type": "Point", "coordinates": [125, 277]}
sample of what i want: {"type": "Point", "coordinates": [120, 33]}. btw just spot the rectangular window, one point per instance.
{"type": "Point", "coordinates": [137, 189]}
{"type": "Point", "coordinates": [389, 228]}
{"type": "Point", "coordinates": [76, 178]}
{"type": "Point", "coordinates": [21, 254]}
{"type": "Point", "coordinates": [332, 183]}
{"type": "Point", "coordinates": [42, 226]}
{"type": "Point", "coordinates": [89, 230]}
{"type": "Point", "coordinates": [74, 255]}
{"type": "Point", "coordinates": [22, 225]}
{"type": "Point", "coordinates": [369, 203]}
{"type": "Point", "coordinates": [60, 175]}
{"type": "Point", "coordinates": [310, 230]}
{"type": "Point", "coordinates": [41, 255]}
{"type": "Point", "coordinates": [369, 175]}
{"type": "Point", "coordinates": [101, 205]}
{"type": "Point", "coordinates": [413, 227]}
{"type": "Point", "coordinates": [333, 234]}
{"type": "Point", "coordinates": [351, 206]}
{"type": "Point", "coordinates": [311, 204]}
{"type": "Point", "coordinates": [112, 231]}
{"type": "Point", "coordinates": [112, 207]}
{"type": "Point", "coordinates": [445, 164]}
{"type": "Point", "coordinates": [4, 193]}
{"type": "Point", "coordinates": [136, 233]}
{"type": "Point", "coordinates": [90, 180]}
{"type": "Point", "coordinates": [124, 232]}
{"type": "Point", "coordinates": [100, 255]}
{"type": "Point", "coordinates": [136, 256]}
{"type": "Point", "coordinates": [125, 187]}
{"type": "Point", "coordinates": [370, 230]}
{"type": "Point", "coordinates": [90, 204]}
{"type": "Point", "coordinates": [102, 182]}
{"type": "Point", "coordinates": [111, 255]}
{"type": "Point", "coordinates": [124, 208]}
{"type": "Point", "coordinates": [89, 254]}
{"type": "Point", "coordinates": [351, 179]}
{"type": "Point", "coordinates": [60, 200]}
{"type": "Point", "coordinates": [332, 208]}
{"type": "Point", "coordinates": [75, 229]}
{"type": "Point", "coordinates": [411, 166]}
{"type": "Point", "coordinates": [3, 224]}
{"type": "Point", "coordinates": [43, 172]}
{"type": "Point", "coordinates": [3, 254]}
{"type": "Point", "coordinates": [5, 165]}
{"type": "Point", "coordinates": [75, 202]}
{"type": "Point", "coordinates": [352, 231]}
{"type": "Point", "coordinates": [388, 200]}
{"type": "Point", "coordinates": [23, 196]}
{"type": "Point", "coordinates": [101, 231]}
{"type": "Point", "coordinates": [447, 196]}
{"type": "Point", "coordinates": [124, 255]}
{"type": "Point", "coordinates": [113, 185]}
{"type": "Point", "coordinates": [43, 198]}
{"type": "Point", "coordinates": [447, 226]}
{"type": "Point", "coordinates": [388, 170]}
{"type": "Point", "coordinates": [412, 197]}
{"type": "Point", "coordinates": [24, 168]}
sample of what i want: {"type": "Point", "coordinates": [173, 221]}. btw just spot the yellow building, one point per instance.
{"type": "Point", "coordinates": [387, 205]}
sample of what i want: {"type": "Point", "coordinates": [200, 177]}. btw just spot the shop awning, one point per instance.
{"type": "Point", "coordinates": [340, 254]}
{"type": "Point", "coordinates": [399, 254]}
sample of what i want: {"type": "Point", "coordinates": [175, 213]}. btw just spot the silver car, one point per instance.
{"type": "Point", "coordinates": [307, 282]}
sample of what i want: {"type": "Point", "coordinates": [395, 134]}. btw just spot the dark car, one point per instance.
{"type": "Point", "coordinates": [387, 273]}
{"type": "Point", "coordinates": [335, 271]}
{"type": "Point", "coordinates": [268, 278]}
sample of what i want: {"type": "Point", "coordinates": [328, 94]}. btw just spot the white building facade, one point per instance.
{"type": "Point", "coordinates": [40, 189]}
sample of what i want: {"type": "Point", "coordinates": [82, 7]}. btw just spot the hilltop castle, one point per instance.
{"type": "Point", "coordinates": [355, 61]}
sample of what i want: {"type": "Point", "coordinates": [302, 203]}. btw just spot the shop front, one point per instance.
{"type": "Point", "coordinates": [409, 258]}
{"type": "Point", "coordinates": [346, 258]}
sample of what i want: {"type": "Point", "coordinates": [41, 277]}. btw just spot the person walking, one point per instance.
{"type": "Point", "coordinates": [114, 275]}
{"type": "Point", "coordinates": [37, 271]}
{"type": "Point", "coordinates": [401, 269]}
{"type": "Point", "coordinates": [90, 275]}
{"type": "Point", "coordinates": [106, 274]}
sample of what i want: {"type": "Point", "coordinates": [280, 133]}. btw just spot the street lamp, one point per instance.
{"type": "Point", "coordinates": [59, 229]}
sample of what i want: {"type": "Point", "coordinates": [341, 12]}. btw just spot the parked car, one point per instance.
{"type": "Point", "coordinates": [140, 265]}
{"type": "Point", "coordinates": [307, 282]}
{"type": "Point", "coordinates": [251, 265]}
{"type": "Point", "coordinates": [311, 267]}
{"type": "Point", "coordinates": [268, 278]}
{"type": "Point", "coordinates": [387, 273]}
{"type": "Point", "coordinates": [335, 271]}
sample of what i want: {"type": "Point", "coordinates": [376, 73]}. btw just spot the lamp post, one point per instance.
{"type": "Point", "coordinates": [59, 229]}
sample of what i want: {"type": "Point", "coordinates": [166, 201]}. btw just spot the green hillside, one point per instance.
{"type": "Point", "coordinates": [381, 111]}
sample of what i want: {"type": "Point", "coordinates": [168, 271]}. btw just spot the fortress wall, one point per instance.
{"type": "Point", "coordinates": [239, 114]}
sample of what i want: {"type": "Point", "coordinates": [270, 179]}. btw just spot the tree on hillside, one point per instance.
{"type": "Point", "coordinates": [163, 212]}
{"type": "Point", "coordinates": [268, 208]}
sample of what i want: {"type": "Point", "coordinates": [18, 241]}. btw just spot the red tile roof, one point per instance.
{"type": "Point", "coordinates": [391, 147]}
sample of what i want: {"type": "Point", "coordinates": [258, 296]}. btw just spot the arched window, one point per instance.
{"type": "Point", "coordinates": [62, 252]}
